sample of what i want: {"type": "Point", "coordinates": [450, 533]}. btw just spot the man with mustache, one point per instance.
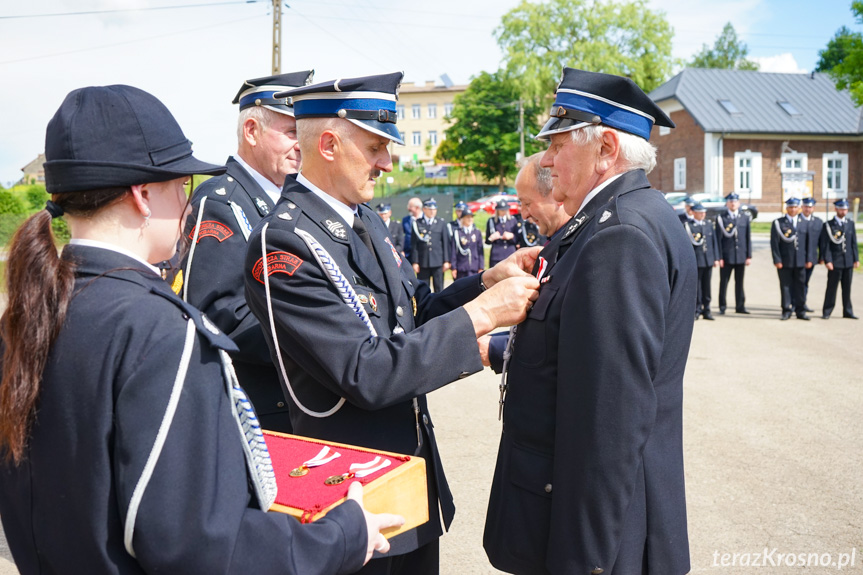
{"type": "Point", "coordinates": [359, 340]}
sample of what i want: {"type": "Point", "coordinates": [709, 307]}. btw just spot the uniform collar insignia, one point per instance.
{"type": "Point", "coordinates": [574, 225]}
{"type": "Point", "coordinates": [336, 228]}
{"type": "Point", "coordinates": [263, 208]}
{"type": "Point", "coordinates": [605, 215]}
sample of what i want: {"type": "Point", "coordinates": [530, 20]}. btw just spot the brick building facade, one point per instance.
{"type": "Point", "coordinates": [764, 136]}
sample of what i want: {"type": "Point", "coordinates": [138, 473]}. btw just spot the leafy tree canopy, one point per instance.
{"type": "Point", "coordinates": [843, 57]}
{"type": "Point", "coordinates": [626, 38]}
{"type": "Point", "coordinates": [484, 135]}
{"type": "Point", "coordinates": [728, 52]}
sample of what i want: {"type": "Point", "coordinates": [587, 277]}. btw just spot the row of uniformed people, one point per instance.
{"type": "Point", "coordinates": [798, 241]}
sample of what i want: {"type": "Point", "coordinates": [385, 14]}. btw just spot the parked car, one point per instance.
{"type": "Point", "coordinates": [715, 205]}
{"type": "Point", "coordinates": [489, 203]}
{"type": "Point", "coordinates": [676, 198]}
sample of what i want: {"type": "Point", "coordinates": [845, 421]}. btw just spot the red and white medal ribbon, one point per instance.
{"type": "Point", "coordinates": [364, 469]}
{"type": "Point", "coordinates": [322, 457]}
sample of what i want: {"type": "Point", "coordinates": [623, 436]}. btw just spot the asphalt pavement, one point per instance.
{"type": "Point", "coordinates": [772, 439]}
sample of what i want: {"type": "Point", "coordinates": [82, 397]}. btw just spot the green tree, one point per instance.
{"type": "Point", "coordinates": [626, 38]}
{"type": "Point", "coordinates": [843, 57]}
{"type": "Point", "coordinates": [484, 132]}
{"type": "Point", "coordinates": [728, 52]}
{"type": "Point", "coordinates": [445, 153]}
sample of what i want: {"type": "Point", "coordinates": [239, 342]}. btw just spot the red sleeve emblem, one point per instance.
{"type": "Point", "coordinates": [277, 262]}
{"type": "Point", "coordinates": [211, 229]}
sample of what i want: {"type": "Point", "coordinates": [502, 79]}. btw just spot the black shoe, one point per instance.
{"type": "Point", "coordinates": [807, 308]}
{"type": "Point", "coordinates": [785, 315]}
{"type": "Point", "coordinates": [825, 316]}
{"type": "Point", "coordinates": [708, 315]}
{"type": "Point", "coordinates": [851, 316]}
{"type": "Point", "coordinates": [722, 311]}
{"type": "Point", "coordinates": [697, 316]}
{"type": "Point", "coordinates": [802, 315]}
{"type": "Point", "coordinates": [742, 310]}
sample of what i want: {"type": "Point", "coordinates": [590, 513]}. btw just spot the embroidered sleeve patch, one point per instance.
{"type": "Point", "coordinates": [277, 262]}
{"type": "Point", "coordinates": [211, 229]}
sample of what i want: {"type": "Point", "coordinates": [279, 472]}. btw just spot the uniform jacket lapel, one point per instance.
{"type": "Point", "coordinates": [250, 186]}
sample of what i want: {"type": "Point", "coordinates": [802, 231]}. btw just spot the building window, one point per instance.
{"type": "Point", "coordinates": [400, 110]}
{"type": "Point", "coordinates": [789, 108]}
{"type": "Point", "coordinates": [447, 109]}
{"type": "Point", "coordinates": [433, 137]}
{"type": "Point", "coordinates": [417, 138]}
{"type": "Point", "coordinates": [402, 135]}
{"type": "Point", "coordinates": [432, 111]}
{"type": "Point", "coordinates": [793, 162]}
{"type": "Point", "coordinates": [415, 111]}
{"type": "Point", "coordinates": [680, 173]}
{"type": "Point", "coordinates": [664, 131]}
{"type": "Point", "coordinates": [747, 174]}
{"type": "Point", "coordinates": [729, 107]}
{"type": "Point", "coordinates": [834, 179]}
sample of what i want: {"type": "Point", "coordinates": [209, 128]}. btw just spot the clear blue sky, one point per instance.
{"type": "Point", "coordinates": [195, 58]}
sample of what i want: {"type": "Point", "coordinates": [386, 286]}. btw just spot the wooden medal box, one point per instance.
{"type": "Point", "coordinates": [399, 488]}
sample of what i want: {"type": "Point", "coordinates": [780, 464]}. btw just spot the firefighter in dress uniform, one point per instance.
{"type": "Point", "coordinates": [735, 251]}
{"type": "Point", "coordinates": [502, 234]}
{"type": "Point", "coordinates": [468, 251]}
{"type": "Point", "coordinates": [430, 251]}
{"type": "Point", "coordinates": [706, 257]}
{"type": "Point", "coordinates": [789, 243]}
{"type": "Point", "coordinates": [840, 254]}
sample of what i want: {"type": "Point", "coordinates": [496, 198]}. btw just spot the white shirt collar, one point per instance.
{"type": "Point", "coordinates": [269, 187]}
{"type": "Point", "coordinates": [595, 191]}
{"type": "Point", "coordinates": [840, 220]}
{"type": "Point", "coordinates": [114, 248]}
{"type": "Point", "coordinates": [344, 211]}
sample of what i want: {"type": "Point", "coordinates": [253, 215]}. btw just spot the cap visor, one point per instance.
{"type": "Point", "coordinates": [384, 129]}
{"type": "Point", "coordinates": [557, 126]}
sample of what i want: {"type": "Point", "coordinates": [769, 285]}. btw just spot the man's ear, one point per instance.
{"type": "Point", "coordinates": [328, 145]}
{"type": "Point", "coordinates": [609, 149]}
{"type": "Point", "coordinates": [252, 131]}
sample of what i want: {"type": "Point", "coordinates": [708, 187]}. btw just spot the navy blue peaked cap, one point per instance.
{"type": "Point", "coordinates": [368, 102]}
{"type": "Point", "coordinates": [732, 196]}
{"type": "Point", "coordinates": [261, 91]}
{"type": "Point", "coordinates": [584, 98]}
{"type": "Point", "coordinates": [808, 201]}
{"type": "Point", "coordinates": [698, 207]}
{"type": "Point", "coordinates": [841, 203]}
{"type": "Point", "coordinates": [792, 202]}
{"type": "Point", "coordinates": [383, 208]}
{"type": "Point", "coordinates": [116, 136]}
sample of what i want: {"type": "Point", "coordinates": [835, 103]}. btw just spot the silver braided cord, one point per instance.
{"type": "Point", "coordinates": [725, 233]}
{"type": "Point", "coordinates": [787, 239]}
{"type": "Point", "coordinates": [345, 289]}
{"type": "Point", "coordinates": [266, 272]}
{"type": "Point", "coordinates": [832, 238]}
{"type": "Point", "coordinates": [254, 446]}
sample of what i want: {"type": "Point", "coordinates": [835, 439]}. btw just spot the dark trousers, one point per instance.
{"type": "Point", "coordinates": [724, 276]}
{"type": "Point", "coordinates": [834, 278]}
{"type": "Point", "coordinates": [806, 284]}
{"type": "Point", "coordinates": [422, 561]}
{"type": "Point", "coordinates": [465, 273]}
{"type": "Point", "coordinates": [702, 297]}
{"type": "Point", "coordinates": [792, 283]}
{"type": "Point", "coordinates": [436, 276]}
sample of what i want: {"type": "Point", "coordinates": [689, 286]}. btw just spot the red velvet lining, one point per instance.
{"type": "Point", "coordinates": [309, 493]}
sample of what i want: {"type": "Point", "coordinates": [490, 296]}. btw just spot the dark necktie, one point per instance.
{"type": "Point", "coordinates": [360, 228]}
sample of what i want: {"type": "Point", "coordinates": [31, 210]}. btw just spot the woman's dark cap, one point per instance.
{"type": "Point", "coordinates": [116, 136]}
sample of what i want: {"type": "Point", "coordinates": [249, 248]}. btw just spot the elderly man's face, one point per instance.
{"type": "Point", "coordinates": [414, 208]}
{"type": "Point", "coordinates": [573, 170]}
{"type": "Point", "coordinates": [361, 159]}
{"type": "Point", "coordinates": [541, 211]}
{"type": "Point", "coordinates": [278, 153]}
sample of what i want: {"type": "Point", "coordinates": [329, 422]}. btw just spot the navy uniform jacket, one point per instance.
{"type": "Point", "coordinates": [468, 252]}
{"type": "Point", "coordinates": [329, 352]}
{"type": "Point", "coordinates": [501, 248]}
{"type": "Point", "coordinates": [397, 235]}
{"type": "Point", "coordinates": [430, 243]}
{"type": "Point", "coordinates": [590, 468]}
{"type": "Point", "coordinates": [735, 238]}
{"type": "Point", "coordinates": [407, 226]}
{"type": "Point", "coordinates": [813, 237]}
{"type": "Point", "coordinates": [839, 243]}
{"type": "Point", "coordinates": [105, 390]}
{"type": "Point", "coordinates": [788, 245]}
{"type": "Point", "coordinates": [214, 284]}
{"type": "Point", "coordinates": [704, 241]}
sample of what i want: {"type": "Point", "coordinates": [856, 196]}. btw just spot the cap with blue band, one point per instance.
{"type": "Point", "coordinates": [368, 102]}
{"type": "Point", "coordinates": [262, 91]}
{"type": "Point", "coordinates": [585, 98]}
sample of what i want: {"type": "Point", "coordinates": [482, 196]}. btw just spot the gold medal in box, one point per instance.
{"type": "Point", "coordinates": [313, 477]}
